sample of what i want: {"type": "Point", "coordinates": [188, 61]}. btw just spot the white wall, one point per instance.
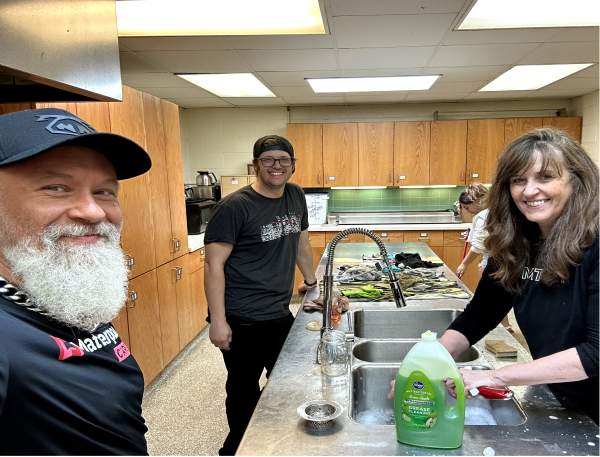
{"type": "Point", "coordinates": [589, 107]}
{"type": "Point", "coordinates": [221, 139]}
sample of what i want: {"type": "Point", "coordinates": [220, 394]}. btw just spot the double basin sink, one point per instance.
{"type": "Point", "coordinates": [383, 337]}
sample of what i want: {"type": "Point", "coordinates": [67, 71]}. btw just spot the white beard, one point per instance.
{"type": "Point", "coordinates": [81, 285]}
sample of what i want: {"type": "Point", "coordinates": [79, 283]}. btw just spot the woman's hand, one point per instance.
{"type": "Point", "coordinates": [390, 395]}
{"type": "Point", "coordinates": [472, 379]}
{"type": "Point", "coordinates": [460, 271]}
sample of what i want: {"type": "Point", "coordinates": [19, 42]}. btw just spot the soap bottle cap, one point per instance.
{"type": "Point", "coordinates": [429, 336]}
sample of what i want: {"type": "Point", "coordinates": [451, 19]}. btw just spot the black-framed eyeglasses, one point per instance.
{"type": "Point", "coordinates": [270, 161]}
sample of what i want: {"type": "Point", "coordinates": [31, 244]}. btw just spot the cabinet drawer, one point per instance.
{"type": "Point", "coordinates": [352, 238]}
{"type": "Point", "coordinates": [454, 238]}
{"type": "Point", "coordinates": [391, 236]}
{"type": "Point", "coordinates": [317, 239]}
{"type": "Point", "coordinates": [197, 259]}
{"type": "Point", "coordinates": [431, 237]}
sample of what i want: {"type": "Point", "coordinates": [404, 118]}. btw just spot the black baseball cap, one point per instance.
{"type": "Point", "coordinates": [25, 134]}
{"type": "Point", "coordinates": [272, 143]}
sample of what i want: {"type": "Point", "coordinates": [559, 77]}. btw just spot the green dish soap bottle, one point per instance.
{"type": "Point", "coordinates": [423, 416]}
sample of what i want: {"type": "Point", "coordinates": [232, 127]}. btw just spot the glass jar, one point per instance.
{"type": "Point", "coordinates": [334, 353]}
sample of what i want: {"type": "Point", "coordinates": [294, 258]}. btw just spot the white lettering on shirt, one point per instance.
{"type": "Point", "coordinates": [99, 340]}
{"type": "Point", "coordinates": [533, 274]}
{"type": "Point", "coordinates": [282, 227]}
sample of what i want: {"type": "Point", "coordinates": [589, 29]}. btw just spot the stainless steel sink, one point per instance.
{"type": "Point", "coordinates": [394, 351]}
{"type": "Point", "coordinates": [401, 323]}
{"type": "Point", "coordinates": [369, 404]}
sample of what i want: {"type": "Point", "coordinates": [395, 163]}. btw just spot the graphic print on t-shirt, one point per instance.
{"type": "Point", "coordinates": [281, 227]}
{"type": "Point", "coordinates": [533, 274]}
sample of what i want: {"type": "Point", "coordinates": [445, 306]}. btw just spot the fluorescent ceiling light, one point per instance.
{"type": "Point", "coordinates": [532, 77]}
{"type": "Point", "coordinates": [372, 84]}
{"type": "Point", "coordinates": [221, 17]}
{"type": "Point", "coordinates": [510, 14]}
{"type": "Point", "coordinates": [230, 85]}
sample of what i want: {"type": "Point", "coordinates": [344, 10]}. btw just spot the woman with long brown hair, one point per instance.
{"type": "Point", "coordinates": [543, 242]}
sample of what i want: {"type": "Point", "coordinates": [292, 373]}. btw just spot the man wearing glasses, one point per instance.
{"type": "Point", "coordinates": [254, 238]}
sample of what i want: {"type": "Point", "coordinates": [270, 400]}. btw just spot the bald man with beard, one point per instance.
{"type": "Point", "coordinates": [68, 384]}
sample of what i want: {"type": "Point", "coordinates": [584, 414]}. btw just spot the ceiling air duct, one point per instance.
{"type": "Point", "coordinates": [59, 51]}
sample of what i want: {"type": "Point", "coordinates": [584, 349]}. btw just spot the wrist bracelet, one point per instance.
{"type": "Point", "coordinates": [313, 284]}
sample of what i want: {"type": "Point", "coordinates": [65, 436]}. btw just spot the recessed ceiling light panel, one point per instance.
{"type": "Point", "coordinates": [372, 84]}
{"type": "Point", "coordinates": [532, 77]}
{"type": "Point", "coordinates": [222, 17]}
{"type": "Point", "coordinates": [230, 84]}
{"type": "Point", "coordinates": [510, 14]}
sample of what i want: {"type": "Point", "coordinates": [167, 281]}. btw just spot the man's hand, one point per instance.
{"type": "Point", "coordinates": [220, 334]}
{"type": "Point", "coordinates": [302, 287]}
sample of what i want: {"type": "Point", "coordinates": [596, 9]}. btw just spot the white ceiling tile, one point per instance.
{"type": "Point", "coordinates": [293, 78]}
{"type": "Point", "coordinates": [200, 102]}
{"type": "Point", "coordinates": [406, 57]}
{"type": "Point", "coordinates": [255, 101]}
{"type": "Point", "coordinates": [367, 8]}
{"type": "Point", "coordinates": [171, 43]}
{"type": "Point", "coordinates": [280, 42]}
{"type": "Point", "coordinates": [177, 92]}
{"type": "Point", "coordinates": [298, 91]}
{"type": "Point", "coordinates": [589, 84]}
{"type": "Point", "coordinates": [372, 98]}
{"type": "Point", "coordinates": [550, 53]}
{"type": "Point", "coordinates": [391, 31]}
{"type": "Point", "coordinates": [132, 63]}
{"type": "Point", "coordinates": [197, 61]}
{"type": "Point", "coordinates": [154, 80]}
{"type": "Point", "coordinates": [382, 72]}
{"type": "Point", "coordinates": [472, 55]}
{"type": "Point", "coordinates": [565, 93]}
{"type": "Point", "coordinates": [464, 74]}
{"type": "Point", "coordinates": [576, 34]}
{"type": "Point", "coordinates": [290, 60]}
{"type": "Point", "coordinates": [329, 100]}
{"type": "Point", "coordinates": [427, 97]}
{"type": "Point", "coordinates": [441, 87]}
{"type": "Point", "coordinates": [501, 95]}
{"type": "Point", "coordinates": [499, 36]}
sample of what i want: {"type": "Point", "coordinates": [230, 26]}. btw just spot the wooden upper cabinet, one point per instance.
{"type": "Point", "coordinates": [307, 140]}
{"type": "Point", "coordinates": [179, 232]}
{"type": "Point", "coordinates": [6, 108]}
{"type": "Point", "coordinates": [340, 154]}
{"type": "Point", "coordinates": [514, 128]}
{"type": "Point", "coordinates": [127, 119]}
{"type": "Point", "coordinates": [411, 153]}
{"type": "Point", "coordinates": [571, 125]}
{"type": "Point", "coordinates": [448, 152]}
{"type": "Point", "coordinates": [485, 139]}
{"type": "Point", "coordinates": [376, 154]}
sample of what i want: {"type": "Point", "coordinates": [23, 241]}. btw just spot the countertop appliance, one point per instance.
{"type": "Point", "coordinates": [206, 186]}
{"type": "Point", "coordinates": [197, 213]}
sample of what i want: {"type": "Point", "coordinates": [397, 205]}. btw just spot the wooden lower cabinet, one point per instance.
{"type": "Point", "coordinates": [454, 246]}
{"type": "Point", "coordinates": [318, 243]}
{"type": "Point", "coordinates": [144, 324]}
{"type": "Point", "coordinates": [389, 236]}
{"type": "Point", "coordinates": [200, 308]}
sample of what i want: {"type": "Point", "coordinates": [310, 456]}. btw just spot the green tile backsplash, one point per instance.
{"type": "Point", "coordinates": [389, 199]}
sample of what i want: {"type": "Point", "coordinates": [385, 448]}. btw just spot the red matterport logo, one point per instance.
{"type": "Point", "coordinates": [66, 352]}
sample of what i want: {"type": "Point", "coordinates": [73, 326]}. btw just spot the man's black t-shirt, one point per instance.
{"type": "Point", "coordinates": [264, 232]}
{"type": "Point", "coordinates": [64, 391]}
{"type": "Point", "coordinates": [552, 319]}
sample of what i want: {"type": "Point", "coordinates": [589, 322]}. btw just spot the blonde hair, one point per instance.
{"type": "Point", "coordinates": [511, 235]}
{"type": "Point", "coordinates": [475, 195]}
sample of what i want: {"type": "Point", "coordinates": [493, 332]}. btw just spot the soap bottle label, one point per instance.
{"type": "Point", "coordinates": [419, 405]}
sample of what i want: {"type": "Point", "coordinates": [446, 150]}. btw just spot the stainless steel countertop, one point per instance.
{"type": "Point", "coordinates": [276, 428]}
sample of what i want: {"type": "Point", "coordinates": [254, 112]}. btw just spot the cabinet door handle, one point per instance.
{"type": "Point", "coordinates": [129, 261]}
{"type": "Point", "coordinates": [390, 177]}
{"type": "Point", "coordinates": [177, 244]}
{"type": "Point", "coordinates": [178, 271]}
{"type": "Point", "coordinates": [398, 177]}
{"type": "Point", "coordinates": [423, 238]}
{"type": "Point", "coordinates": [462, 175]}
{"type": "Point", "coordinates": [133, 297]}
{"type": "Point", "coordinates": [470, 175]}
{"type": "Point", "coordinates": [326, 178]}
{"type": "Point", "coordinates": [319, 178]}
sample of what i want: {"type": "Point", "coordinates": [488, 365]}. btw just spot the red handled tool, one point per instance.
{"type": "Point", "coordinates": [492, 394]}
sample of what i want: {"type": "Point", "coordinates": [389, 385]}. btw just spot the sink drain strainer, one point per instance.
{"type": "Point", "coordinates": [319, 413]}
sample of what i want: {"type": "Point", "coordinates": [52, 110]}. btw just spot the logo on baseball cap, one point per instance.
{"type": "Point", "coordinates": [25, 134]}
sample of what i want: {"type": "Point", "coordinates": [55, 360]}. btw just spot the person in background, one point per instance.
{"type": "Point", "coordinates": [543, 242]}
{"type": "Point", "coordinates": [474, 200]}
{"type": "Point", "coordinates": [68, 384]}
{"type": "Point", "coordinates": [254, 238]}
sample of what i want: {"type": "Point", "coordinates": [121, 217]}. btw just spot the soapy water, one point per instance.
{"type": "Point", "coordinates": [474, 415]}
